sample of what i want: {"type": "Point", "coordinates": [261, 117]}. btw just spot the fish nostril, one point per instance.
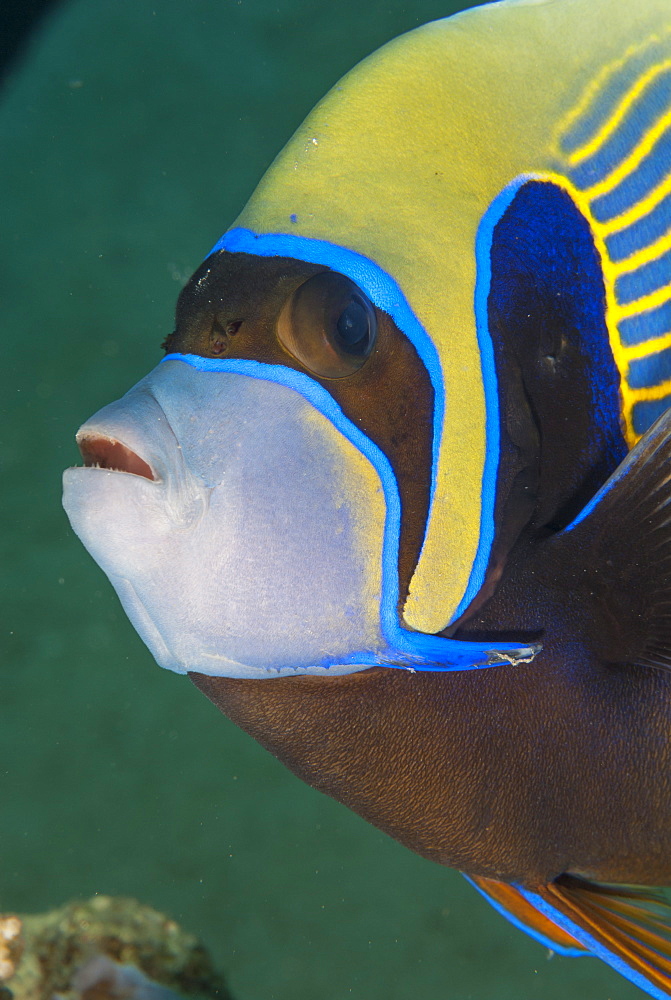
{"type": "Point", "coordinates": [108, 453]}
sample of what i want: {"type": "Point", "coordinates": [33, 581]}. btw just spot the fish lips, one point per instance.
{"type": "Point", "coordinates": [132, 463]}
{"type": "Point", "coordinates": [100, 451]}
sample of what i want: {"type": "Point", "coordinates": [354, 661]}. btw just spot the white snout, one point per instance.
{"type": "Point", "coordinates": [256, 547]}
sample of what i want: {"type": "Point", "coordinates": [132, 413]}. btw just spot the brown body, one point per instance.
{"type": "Point", "coordinates": [519, 773]}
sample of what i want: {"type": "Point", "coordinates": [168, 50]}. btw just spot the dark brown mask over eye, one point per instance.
{"type": "Point", "coordinates": [281, 311]}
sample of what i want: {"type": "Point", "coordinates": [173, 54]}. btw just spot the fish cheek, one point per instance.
{"type": "Point", "coordinates": [282, 570]}
{"type": "Point", "coordinates": [390, 398]}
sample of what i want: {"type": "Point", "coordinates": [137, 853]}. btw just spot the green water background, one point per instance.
{"type": "Point", "coordinates": [131, 134]}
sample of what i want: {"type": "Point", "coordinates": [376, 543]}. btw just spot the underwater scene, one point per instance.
{"type": "Point", "coordinates": [132, 134]}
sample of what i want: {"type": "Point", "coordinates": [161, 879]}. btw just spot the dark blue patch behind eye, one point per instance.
{"type": "Point", "coordinates": [562, 265]}
{"type": "Point", "coordinates": [546, 315]}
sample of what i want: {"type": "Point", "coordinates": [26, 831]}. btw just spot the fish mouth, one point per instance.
{"type": "Point", "coordinates": [102, 452]}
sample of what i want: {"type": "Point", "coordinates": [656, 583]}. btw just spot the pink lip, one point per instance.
{"type": "Point", "coordinates": [107, 453]}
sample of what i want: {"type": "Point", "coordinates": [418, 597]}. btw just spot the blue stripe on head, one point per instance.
{"type": "Point", "coordinates": [386, 294]}
{"type": "Point", "coordinates": [483, 281]}
{"type": "Point", "coordinates": [404, 649]}
{"type": "Point", "coordinates": [379, 286]}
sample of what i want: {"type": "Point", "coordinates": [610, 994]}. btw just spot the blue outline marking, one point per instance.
{"type": "Point", "coordinates": [387, 295]}
{"type": "Point", "coordinates": [404, 649]}
{"type": "Point", "coordinates": [521, 926]}
{"type": "Point", "coordinates": [595, 947]}
{"type": "Point", "coordinates": [483, 280]}
{"type": "Point", "coordinates": [379, 286]}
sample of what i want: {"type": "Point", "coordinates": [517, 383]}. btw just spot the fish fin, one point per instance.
{"type": "Point", "coordinates": [628, 927]}
{"type": "Point", "coordinates": [617, 553]}
{"type": "Point", "coordinates": [511, 904]}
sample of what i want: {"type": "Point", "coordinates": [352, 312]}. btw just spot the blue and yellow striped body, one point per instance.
{"type": "Point", "coordinates": [614, 147]}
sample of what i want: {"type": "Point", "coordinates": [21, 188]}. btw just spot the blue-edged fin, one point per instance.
{"type": "Point", "coordinates": [616, 557]}
{"type": "Point", "coordinates": [628, 927]}
{"type": "Point", "coordinates": [509, 901]}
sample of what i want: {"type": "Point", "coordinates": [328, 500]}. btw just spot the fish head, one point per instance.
{"type": "Point", "coordinates": [307, 481]}
{"type": "Point", "coordinates": [232, 497]}
{"type": "Point", "coordinates": [259, 499]}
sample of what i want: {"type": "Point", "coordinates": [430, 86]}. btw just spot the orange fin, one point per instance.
{"type": "Point", "coordinates": [509, 901]}
{"type": "Point", "coordinates": [629, 927]}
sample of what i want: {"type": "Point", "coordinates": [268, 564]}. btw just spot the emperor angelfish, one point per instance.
{"type": "Point", "coordinates": [397, 498]}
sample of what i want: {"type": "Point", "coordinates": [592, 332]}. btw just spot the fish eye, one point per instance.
{"type": "Point", "coordinates": [329, 325]}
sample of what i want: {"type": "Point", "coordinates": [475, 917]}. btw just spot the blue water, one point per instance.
{"type": "Point", "coordinates": [131, 135]}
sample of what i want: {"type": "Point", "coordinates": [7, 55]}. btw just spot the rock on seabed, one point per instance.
{"type": "Point", "coordinates": [107, 948]}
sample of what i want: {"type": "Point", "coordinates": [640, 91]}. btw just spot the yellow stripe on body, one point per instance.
{"type": "Point", "coordinates": [627, 102]}
{"type": "Point", "coordinates": [644, 256]}
{"type": "Point", "coordinates": [637, 211]}
{"type": "Point", "coordinates": [642, 350]}
{"type": "Point", "coordinates": [644, 304]}
{"type": "Point", "coordinates": [615, 311]}
{"type": "Point", "coordinates": [631, 162]}
{"type": "Point", "coordinates": [651, 393]}
{"type": "Point", "coordinates": [595, 88]}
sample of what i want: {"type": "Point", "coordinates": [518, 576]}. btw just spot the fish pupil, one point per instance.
{"type": "Point", "coordinates": [353, 328]}
{"type": "Point", "coordinates": [328, 324]}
